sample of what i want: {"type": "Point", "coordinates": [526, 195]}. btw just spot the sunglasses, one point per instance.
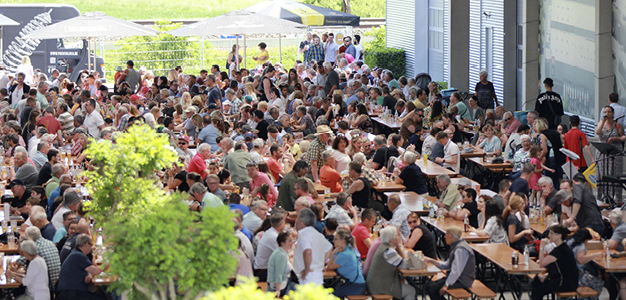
{"type": "Point", "coordinates": [507, 119]}
{"type": "Point", "coordinates": [182, 143]}
{"type": "Point", "coordinates": [421, 116]}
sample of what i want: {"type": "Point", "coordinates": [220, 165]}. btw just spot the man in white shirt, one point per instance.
{"type": "Point", "coordinates": [93, 119]}
{"type": "Point", "coordinates": [256, 216]}
{"type": "Point", "coordinates": [451, 155]}
{"type": "Point", "coordinates": [339, 211]}
{"type": "Point", "coordinates": [330, 48]}
{"type": "Point", "coordinates": [267, 245]}
{"type": "Point", "coordinates": [619, 111]}
{"type": "Point", "coordinates": [311, 251]}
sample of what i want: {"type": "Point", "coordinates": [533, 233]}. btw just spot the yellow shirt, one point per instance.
{"type": "Point", "coordinates": [263, 57]}
{"type": "Point", "coordinates": [295, 151]}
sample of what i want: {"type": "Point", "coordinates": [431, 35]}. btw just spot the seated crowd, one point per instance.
{"type": "Point", "coordinates": [261, 141]}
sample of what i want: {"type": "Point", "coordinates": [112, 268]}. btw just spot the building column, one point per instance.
{"type": "Point", "coordinates": [604, 76]}
{"type": "Point", "coordinates": [530, 58]}
{"type": "Point", "coordinates": [458, 12]}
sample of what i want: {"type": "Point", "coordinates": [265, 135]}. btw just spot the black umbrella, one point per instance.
{"type": "Point", "coordinates": [306, 14]}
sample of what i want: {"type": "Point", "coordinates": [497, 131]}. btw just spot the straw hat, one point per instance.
{"type": "Point", "coordinates": [323, 129]}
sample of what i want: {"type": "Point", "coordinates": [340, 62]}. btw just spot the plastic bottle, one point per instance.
{"type": "Point", "coordinates": [608, 251]}
{"type": "Point", "coordinates": [465, 224]}
{"type": "Point", "coordinates": [526, 255]}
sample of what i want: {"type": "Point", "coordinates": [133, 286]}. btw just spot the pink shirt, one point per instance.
{"type": "Point", "coordinates": [512, 128]}
{"type": "Point", "coordinates": [260, 179]}
{"type": "Point", "coordinates": [198, 165]}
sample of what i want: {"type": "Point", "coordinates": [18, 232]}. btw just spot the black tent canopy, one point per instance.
{"type": "Point", "coordinates": [303, 13]}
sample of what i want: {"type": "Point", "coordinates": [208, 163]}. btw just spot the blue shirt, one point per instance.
{"type": "Point", "coordinates": [61, 232]}
{"type": "Point", "coordinates": [208, 135]}
{"type": "Point", "coordinates": [56, 193]}
{"type": "Point", "coordinates": [244, 209]}
{"type": "Point", "coordinates": [350, 265]}
{"type": "Point", "coordinates": [73, 272]}
{"type": "Point", "coordinates": [247, 232]}
{"type": "Point", "coordinates": [352, 98]}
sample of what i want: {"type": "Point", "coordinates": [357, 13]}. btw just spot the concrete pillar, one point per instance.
{"type": "Point", "coordinates": [604, 76]}
{"type": "Point", "coordinates": [458, 12]}
{"type": "Point", "coordinates": [530, 57]}
{"type": "Point", "coordinates": [510, 55]}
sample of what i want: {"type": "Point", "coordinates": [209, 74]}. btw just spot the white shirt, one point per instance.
{"type": "Point", "coordinates": [359, 49]}
{"type": "Point", "coordinates": [57, 219]}
{"type": "Point", "coordinates": [618, 112]}
{"type": "Point", "coordinates": [265, 248]}
{"type": "Point", "coordinates": [343, 160]}
{"type": "Point", "coordinates": [280, 103]}
{"type": "Point", "coordinates": [4, 80]}
{"type": "Point", "coordinates": [330, 53]}
{"type": "Point", "coordinates": [252, 221]}
{"type": "Point", "coordinates": [36, 279]}
{"type": "Point", "coordinates": [32, 146]}
{"type": "Point", "coordinates": [93, 121]}
{"type": "Point", "coordinates": [309, 238]}
{"type": "Point", "coordinates": [450, 150]}
{"type": "Point", "coordinates": [246, 245]}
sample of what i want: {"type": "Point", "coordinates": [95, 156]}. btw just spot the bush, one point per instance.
{"type": "Point", "coordinates": [248, 290]}
{"type": "Point", "coordinates": [387, 58]}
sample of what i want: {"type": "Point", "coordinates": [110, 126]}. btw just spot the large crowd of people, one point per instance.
{"type": "Point", "coordinates": [261, 140]}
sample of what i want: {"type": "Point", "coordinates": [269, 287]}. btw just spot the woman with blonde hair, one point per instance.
{"type": "Point", "coordinates": [518, 236]}
{"type": "Point", "coordinates": [27, 68]}
{"type": "Point", "coordinates": [355, 145]}
{"type": "Point", "coordinates": [185, 100]}
{"type": "Point", "coordinates": [248, 90]}
{"type": "Point", "coordinates": [172, 75]}
{"type": "Point", "coordinates": [148, 79]}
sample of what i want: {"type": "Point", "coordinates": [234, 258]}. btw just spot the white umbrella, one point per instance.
{"type": "Point", "coordinates": [237, 23]}
{"type": "Point", "coordinates": [92, 25]}
{"type": "Point", "coordinates": [5, 21]}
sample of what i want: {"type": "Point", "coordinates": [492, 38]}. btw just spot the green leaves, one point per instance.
{"type": "Point", "coordinates": [155, 238]}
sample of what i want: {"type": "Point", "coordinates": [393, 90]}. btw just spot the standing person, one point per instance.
{"type": "Point", "coordinates": [585, 211]}
{"type": "Point", "coordinates": [266, 246]}
{"type": "Point", "coordinates": [576, 141]}
{"type": "Point", "coordinates": [461, 264]}
{"type": "Point", "coordinates": [330, 49]}
{"type": "Point", "coordinates": [93, 119]}
{"type": "Point", "coordinates": [304, 46]}
{"type": "Point", "coordinates": [350, 49]}
{"type": "Point", "coordinates": [18, 90]}
{"type": "Point", "coordinates": [316, 50]}
{"type": "Point", "coordinates": [312, 249]}
{"type": "Point", "coordinates": [485, 92]}
{"type": "Point", "coordinates": [549, 105]}
{"type": "Point", "coordinates": [560, 263]}
{"type": "Point", "coordinates": [314, 154]}
{"type": "Point", "coordinates": [131, 76]}
{"type": "Point", "coordinates": [612, 132]}
{"type": "Point", "coordinates": [358, 47]}
{"type": "Point", "coordinates": [279, 266]}
{"type": "Point", "coordinates": [263, 54]}
{"type": "Point", "coordinates": [620, 111]}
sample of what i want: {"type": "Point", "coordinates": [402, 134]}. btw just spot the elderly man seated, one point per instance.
{"type": "Point", "coordinates": [342, 209]}
{"type": "Point", "coordinates": [461, 264]}
{"type": "Point", "coordinates": [77, 272]}
{"type": "Point", "coordinates": [400, 214]}
{"type": "Point", "coordinates": [256, 216]}
{"type": "Point", "coordinates": [449, 192]}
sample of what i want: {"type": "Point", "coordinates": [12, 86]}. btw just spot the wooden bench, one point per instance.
{"type": "Point", "coordinates": [481, 291]}
{"type": "Point", "coordinates": [382, 297]}
{"type": "Point", "coordinates": [458, 294]}
{"type": "Point", "coordinates": [586, 292]}
{"type": "Point", "coordinates": [262, 285]}
{"type": "Point", "coordinates": [566, 295]}
{"type": "Point", "coordinates": [357, 297]}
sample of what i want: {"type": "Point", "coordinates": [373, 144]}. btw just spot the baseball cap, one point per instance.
{"type": "Point", "coordinates": [213, 106]}
{"type": "Point", "coordinates": [15, 182]}
{"type": "Point", "coordinates": [184, 137]}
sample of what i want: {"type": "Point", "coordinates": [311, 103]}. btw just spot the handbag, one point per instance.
{"type": "Point", "coordinates": [415, 260]}
{"type": "Point", "coordinates": [338, 281]}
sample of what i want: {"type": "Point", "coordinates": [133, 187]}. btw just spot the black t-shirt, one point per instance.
{"type": "Point", "coordinates": [426, 243]}
{"type": "Point", "coordinates": [512, 220]}
{"type": "Point", "coordinates": [322, 112]}
{"type": "Point", "coordinates": [413, 179]}
{"type": "Point", "coordinates": [390, 103]}
{"type": "Point", "coordinates": [562, 269]}
{"type": "Point", "coordinates": [361, 198]}
{"type": "Point", "coordinates": [44, 174]}
{"type": "Point", "coordinates": [472, 207]}
{"type": "Point", "coordinates": [520, 185]}
{"type": "Point", "coordinates": [262, 128]}
{"type": "Point", "coordinates": [458, 135]}
{"type": "Point", "coordinates": [24, 116]}
{"type": "Point", "coordinates": [485, 94]}
{"type": "Point", "coordinates": [214, 95]}
{"type": "Point", "coordinates": [182, 176]}
{"type": "Point", "coordinates": [553, 203]}
{"type": "Point", "coordinates": [381, 156]}
{"type": "Point", "coordinates": [589, 214]}
{"type": "Point", "coordinates": [550, 106]}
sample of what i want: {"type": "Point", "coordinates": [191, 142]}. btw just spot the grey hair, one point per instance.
{"type": "Point", "coordinates": [410, 157]}
{"type": "Point", "coordinates": [616, 216]}
{"type": "Point", "coordinates": [507, 114]}
{"type": "Point", "coordinates": [230, 142]}
{"type": "Point", "coordinates": [327, 65]}
{"type": "Point", "coordinates": [359, 158]}
{"type": "Point", "coordinates": [20, 149]}
{"type": "Point", "coordinates": [33, 233]}
{"type": "Point", "coordinates": [326, 155]}
{"type": "Point", "coordinates": [203, 147]}
{"type": "Point", "coordinates": [304, 201]}
{"type": "Point", "coordinates": [258, 143]}
{"type": "Point", "coordinates": [64, 176]}
{"type": "Point", "coordinates": [524, 137]}
{"type": "Point", "coordinates": [380, 140]}
{"type": "Point", "coordinates": [533, 114]}
{"type": "Point", "coordinates": [57, 169]}
{"type": "Point", "coordinates": [197, 188]}
{"type": "Point", "coordinates": [82, 239]}
{"type": "Point", "coordinates": [563, 195]}
{"type": "Point", "coordinates": [307, 216]}
{"type": "Point", "coordinates": [29, 247]}
{"type": "Point", "coordinates": [545, 179]}
{"type": "Point", "coordinates": [231, 92]}
{"type": "Point", "coordinates": [484, 73]}
{"type": "Point", "coordinates": [444, 178]}
{"type": "Point", "coordinates": [388, 233]}
{"type": "Point", "coordinates": [39, 216]}
{"type": "Point", "coordinates": [256, 204]}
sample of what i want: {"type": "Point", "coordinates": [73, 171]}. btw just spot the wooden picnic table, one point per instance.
{"type": "Point", "coordinates": [490, 165]}
{"type": "Point", "coordinates": [4, 283]}
{"type": "Point", "coordinates": [475, 153]}
{"type": "Point", "coordinates": [390, 124]}
{"type": "Point", "coordinates": [105, 280]}
{"type": "Point", "coordinates": [432, 169]}
{"type": "Point", "coordinates": [500, 255]}
{"type": "Point", "coordinates": [389, 186]}
{"type": "Point", "coordinates": [441, 226]}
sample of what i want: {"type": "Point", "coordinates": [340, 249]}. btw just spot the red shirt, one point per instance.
{"type": "Point", "coordinates": [275, 168]}
{"type": "Point", "coordinates": [572, 141]}
{"type": "Point", "coordinates": [198, 165]}
{"type": "Point", "coordinates": [361, 233]}
{"type": "Point", "coordinates": [51, 123]}
{"type": "Point", "coordinates": [330, 178]}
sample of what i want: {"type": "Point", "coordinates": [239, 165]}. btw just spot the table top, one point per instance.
{"type": "Point", "coordinates": [475, 185]}
{"type": "Point", "coordinates": [389, 186]}
{"type": "Point", "coordinates": [390, 124]}
{"type": "Point", "coordinates": [105, 280]}
{"type": "Point", "coordinates": [500, 254]}
{"type": "Point", "coordinates": [538, 227]}
{"type": "Point", "coordinates": [412, 201]}
{"type": "Point", "coordinates": [441, 226]}
{"type": "Point", "coordinates": [489, 165]}
{"type": "Point", "coordinates": [430, 270]}
{"type": "Point", "coordinates": [475, 153]}
{"type": "Point", "coordinates": [329, 274]}
{"type": "Point", "coordinates": [433, 169]}
{"type": "Point", "coordinates": [616, 265]}
{"type": "Point", "coordinates": [4, 248]}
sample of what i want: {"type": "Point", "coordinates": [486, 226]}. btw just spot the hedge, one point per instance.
{"type": "Point", "coordinates": [387, 58]}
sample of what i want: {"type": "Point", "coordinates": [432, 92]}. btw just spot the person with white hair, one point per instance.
{"type": "Point", "coordinates": [332, 79]}
{"type": "Point", "coordinates": [390, 255]}
{"type": "Point", "coordinates": [548, 197]}
{"type": "Point", "coordinates": [616, 218]}
{"type": "Point", "coordinates": [256, 216]}
{"type": "Point", "coordinates": [35, 279]}
{"type": "Point", "coordinates": [411, 175]}
{"type": "Point", "coordinates": [311, 250]}
{"type": "Point", "coordinates": [461, 264]}
{"type": "Point", "coordinates": [485, 92]}
{"type": "Point", "coordinates": [521, 157]}
{"type": "Point", "coordinates": [47, 250]}
{"type": "Point", "coordinates": [256, 153]}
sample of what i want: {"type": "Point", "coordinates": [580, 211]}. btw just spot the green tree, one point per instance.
{"type": "Point", "coordinates": [159, 248]}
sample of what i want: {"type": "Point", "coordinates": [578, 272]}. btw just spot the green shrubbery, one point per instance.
{"type": "Point", "coordinates": [378, 55]}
